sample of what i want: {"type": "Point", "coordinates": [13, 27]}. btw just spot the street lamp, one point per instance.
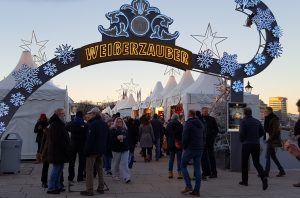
{"type": "Point", "coordinates": [248, 88]}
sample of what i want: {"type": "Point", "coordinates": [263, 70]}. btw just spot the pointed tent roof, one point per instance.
{"type": "Point", "coordinates": [130, 102]}
{"type": "Point", "coordinates": [158, 89]}
{"type": "Point", "coordinates": [171, 84]}
{"type": "Point", "coordinates": [173, 97]}
{"type": "Point", "coordinates": [205, 84]}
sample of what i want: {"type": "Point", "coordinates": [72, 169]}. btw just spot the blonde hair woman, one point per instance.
{"type": "Point", "coordinates": [120, 150]}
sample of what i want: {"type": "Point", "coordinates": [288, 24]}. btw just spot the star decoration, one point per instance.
{"type": "Point", "coordinates": [131, 87]}
{"type": "Point", "coordinates": [171, 71]}
{"type": "Point", "coordinates": [36, 49]}
{"type": "Point", "coordinates": [209, 41]}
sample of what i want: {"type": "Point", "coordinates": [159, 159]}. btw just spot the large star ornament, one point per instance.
{"type": "Point", "coordinates": [210, 41]}
{"type": "Point", "coordinates": [36, 48]}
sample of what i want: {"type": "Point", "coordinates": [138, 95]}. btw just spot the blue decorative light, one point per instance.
{"type": "Point", "coordinates": [247, 3]}
{"type": "Point", "coordinates": [2, 128]}
{"type": "Point", "coordinates": [274, 49]}
{"type": "Point", "coordinates": [238, 86]}
{"type": "Point", "coordinates": [4, 109]}
{"type": "Point", "coordinates": [65, 54]}
{"type": "Point", "coordinates": [26, 78]}
{"type": "Point", "coordinates": [229, 64]}
{"type": "Point", "coordinates": [17, 99]}
{"type": "Point", "coordinates": [205, 59]}
{"type": "Point", "coordinates": [160, 30]}
{"type": "Point", "coordinates": [277, 32]}
{"type": "Point", "coordinates": [263, 19]}
{"type": "Point", "coordinates": [249, 69]}
{"type": "Point", "coordinates": [260, 59]}
{"type": "Point", "coordinates": [50, 69]}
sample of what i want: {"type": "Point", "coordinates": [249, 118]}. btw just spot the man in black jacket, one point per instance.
{"type": "Point", "coordinates": [193, 143]}
{"type": "Point", "coordinates": [79, 130]}
{"type": "Point", "coordinates": [251, 131]}
{"type": "Point", "coordinates": [157, 130]}
{"type": "Point", "coordinates": [94, 149]}
{"type": "Point", "coordinates": [208, 159]}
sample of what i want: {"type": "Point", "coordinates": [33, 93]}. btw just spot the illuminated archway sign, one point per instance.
{"type": "Point", "coordinates": [140, 32]}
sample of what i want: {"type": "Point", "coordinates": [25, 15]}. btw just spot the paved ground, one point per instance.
{"type": "Point", "coordinates": [150, 180]}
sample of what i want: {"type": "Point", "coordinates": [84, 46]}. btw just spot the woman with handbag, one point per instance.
{"type": "Point", "coordinates": [174, 134]}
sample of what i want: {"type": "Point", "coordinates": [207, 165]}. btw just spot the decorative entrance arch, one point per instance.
{"type": "Point", "coordinates": [140, 32]}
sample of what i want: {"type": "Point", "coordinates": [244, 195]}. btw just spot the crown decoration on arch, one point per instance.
{"type": "Point", "coordinates": [140, 32]}
{"type": "Point", "coordinates": [139, 20]}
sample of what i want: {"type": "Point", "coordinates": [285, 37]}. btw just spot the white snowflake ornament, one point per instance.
{"type": "Point", "coordinates": [50, 69]}
{"type": "Point", "coordinates": [260, 59]}
{"type": "Point", "coordinates": [205, 59]}
{"type": "Point", "coordinates": [4, 109]}
{"type": "Point", "coordinates": [17, 99]}
{"type": "Point", "coordinates": [2, 127]}
{"type": "Point", "coordinates": [65, 54]}
{"type": "Point", "coordinates": [249, 69]}
{"type": "Point", "coordinates": [26, 78]}
{"type": "Point", "coordinates": [274, 49]}
{"type": "Point", "coordinates": [238, 86]}
{"type": "Point", "coordinates": [263, 19]}
{"type": "Point", "coordinates": [229, 64]}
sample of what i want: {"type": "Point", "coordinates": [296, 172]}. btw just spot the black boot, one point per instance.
{"type": "Point", "coordinates": [281, 173]}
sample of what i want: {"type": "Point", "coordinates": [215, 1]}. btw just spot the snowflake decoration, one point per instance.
{"type": "Point", "coordinates": [238, 86]}
{"type": "Point", "coordinates": [229, 64]}
{"type": "Point", "coordinates": [65, 54]}
{"type": "Point", "coordinates": [4, 109]}
{"type": "Point", "coordinates": [17, 99]}
{"type": "Point", "coordinates": [263, 19]}
{"type": "Point", "coordinates": [277, 32]}
{"type": "Point", "coordinates": [205, 59]}
{"type": "Point", "coordinates": [26, 78]}
{"type": "Point", "coordinates": [50, 69]}
{"type": "Point", "coordinates": [2, 127]}
{"type": "Point", "coordinates": [249, 69]}
{"type": "Point", "coordinates": [274, 49]}
{"type": "Point", "coordinates": [247, 3]}
{"type": "Point", "coordinates": [260, 59]}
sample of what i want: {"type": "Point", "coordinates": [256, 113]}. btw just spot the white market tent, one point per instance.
{"type": "Point", "coordinates": [119, 105]}
{"type": "Point", "coordinates": [107, 110]}
{"type": "Point", "coordinates": [156, 95]}
{"type": "Point", "coordinates": [126, 108]}
{"type": "Point", "coordinates": [45, 100]}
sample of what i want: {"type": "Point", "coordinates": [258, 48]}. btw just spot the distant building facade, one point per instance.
{"type": "Point", "coordinates": [279, 105]}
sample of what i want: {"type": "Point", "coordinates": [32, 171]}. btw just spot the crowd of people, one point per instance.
{"type": "Point", "coordinates": [106, 145]}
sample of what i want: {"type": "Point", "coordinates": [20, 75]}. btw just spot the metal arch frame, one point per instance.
{"type": "Point", "coordinates": [214, 70]}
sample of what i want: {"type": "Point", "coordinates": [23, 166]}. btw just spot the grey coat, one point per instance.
{"type": "Point", "coordinates": [146, 136]}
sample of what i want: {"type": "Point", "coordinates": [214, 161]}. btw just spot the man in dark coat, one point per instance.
{"type": "Point", "coordinates": [79, 130]}
{"type": "Point", "coordinates": [157, 130]}
{"type": "Point", "coordinates": [272, 127]}
{"type": "Point", "coordinates": [58, 147]}
{"type": "Point", "coordinates": [174, 134]}
{"type": "Point", "coordinates": [193, 145]}
{"type": "Point", "coordinates": [94, 150]}
{"type": "Point", "coordinates": [208, 159]}
{"type": "Point", "coordinates": [251, 131]}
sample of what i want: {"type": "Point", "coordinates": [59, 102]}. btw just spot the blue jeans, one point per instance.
{"type": "Point", "coordinates": [107, 162]}
{"type": "Point", "coordinates": [172, 158]}
{"type": "Point", "coordinates": [186, 157]}
{"type": "Point", "coordinates": [157, 149]}
{"type": "Point", "coordinates": [54, 179]}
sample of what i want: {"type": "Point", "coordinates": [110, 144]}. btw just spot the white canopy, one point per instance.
{"type": "Point", "coordinates": [119, 105]}
{"type": "Point", "coordinates": [129, 103]}
{"type": "Point", "coordinates": [173, 98]}
{"type": "Point", "coordinates": [45, 100]}
{"type": "Point", "coordinates": [156, 95]}
{"type": "Point", "coordinates": [107, 110]}
{"type": "Point", "coordinates": [171, 84]}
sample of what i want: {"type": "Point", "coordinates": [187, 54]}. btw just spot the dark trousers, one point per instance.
{"type": "Point", "coordinates": [271, 153]}
{"type": "Point", "coordinates": [254, 150]}
{"type": "Point", "coordinates": [44, 178]}
{"type": "Point", "coordinates": [76, 149]}
{"type": "Point", "coordinates": [208, 161]}
{"type": "Point", "coordinates": [147, 151]}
